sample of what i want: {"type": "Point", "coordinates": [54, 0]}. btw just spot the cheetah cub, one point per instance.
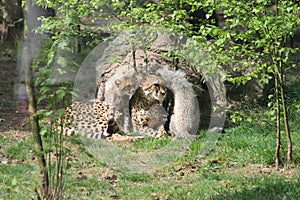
{"type": "Point", "coordinates": [147, 113]}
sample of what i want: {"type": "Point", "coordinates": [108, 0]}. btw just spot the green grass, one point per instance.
{"type": "Point", "coordinates": [239, 166]}
{"type": "Point", "coordinates": [247, 144]}
{"type": "Point", "coordinates": [17, 173]}
{"type": "Point", "coordinates": [149, 144]}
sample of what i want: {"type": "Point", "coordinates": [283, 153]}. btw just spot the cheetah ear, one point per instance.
{"type": "Point", "coordinates": [146, 87]}
{"type": "Point", "coordinates": [118, 82]}
{"type": "Point", "coordinates": [146, 90]}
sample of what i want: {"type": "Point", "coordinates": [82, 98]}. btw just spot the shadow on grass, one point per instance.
{"type": "Point", "coordinates": [283, 189]}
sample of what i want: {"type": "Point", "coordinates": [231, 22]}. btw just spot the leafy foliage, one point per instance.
{"type": "Point", "coordinates": [252, 41]}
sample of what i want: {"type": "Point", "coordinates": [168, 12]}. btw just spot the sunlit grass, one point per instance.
{"type": "Point", "coordinates": [239, 166]}
{"type": "Point", "coordinates": [151, 143]}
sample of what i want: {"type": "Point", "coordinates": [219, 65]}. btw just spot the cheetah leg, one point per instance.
{"type": "Point", "coordinates": [161, 132]}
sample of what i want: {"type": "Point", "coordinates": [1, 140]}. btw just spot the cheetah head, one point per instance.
{"type": "Point", "coordinates": [155, 91]}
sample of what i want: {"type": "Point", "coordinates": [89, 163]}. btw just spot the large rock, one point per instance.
{"type": "Point", "coordinates": [192, 77]}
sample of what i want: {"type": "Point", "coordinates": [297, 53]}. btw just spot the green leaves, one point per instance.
{"type": "Point", "coordinates": [253, 38]}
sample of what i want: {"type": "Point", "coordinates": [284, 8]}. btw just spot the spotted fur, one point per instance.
{"type": "Point", "coordinates": [147, 114]}
{"type": "Point", "coordinates": [93, 121]}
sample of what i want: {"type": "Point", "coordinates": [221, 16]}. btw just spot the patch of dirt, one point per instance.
{"type": "Point", "coordinates": [250, 170]}
{"type": "Point", "coordinates": [11, 120]}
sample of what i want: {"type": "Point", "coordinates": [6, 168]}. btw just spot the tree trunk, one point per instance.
{"type": "Point", "coordinates": [278, 136]}
{"type": "Point", "coordinates": [11, 17]}
{"type": "Point", "coordinates": [34, 124]}
{"type": "Point", "coordinates": [30, 45]}
{"type": "Point", "coordinates": [285, 117]}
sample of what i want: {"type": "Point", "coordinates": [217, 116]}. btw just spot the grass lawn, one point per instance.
{"type": "Point", "coordinates": [240, 166]}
